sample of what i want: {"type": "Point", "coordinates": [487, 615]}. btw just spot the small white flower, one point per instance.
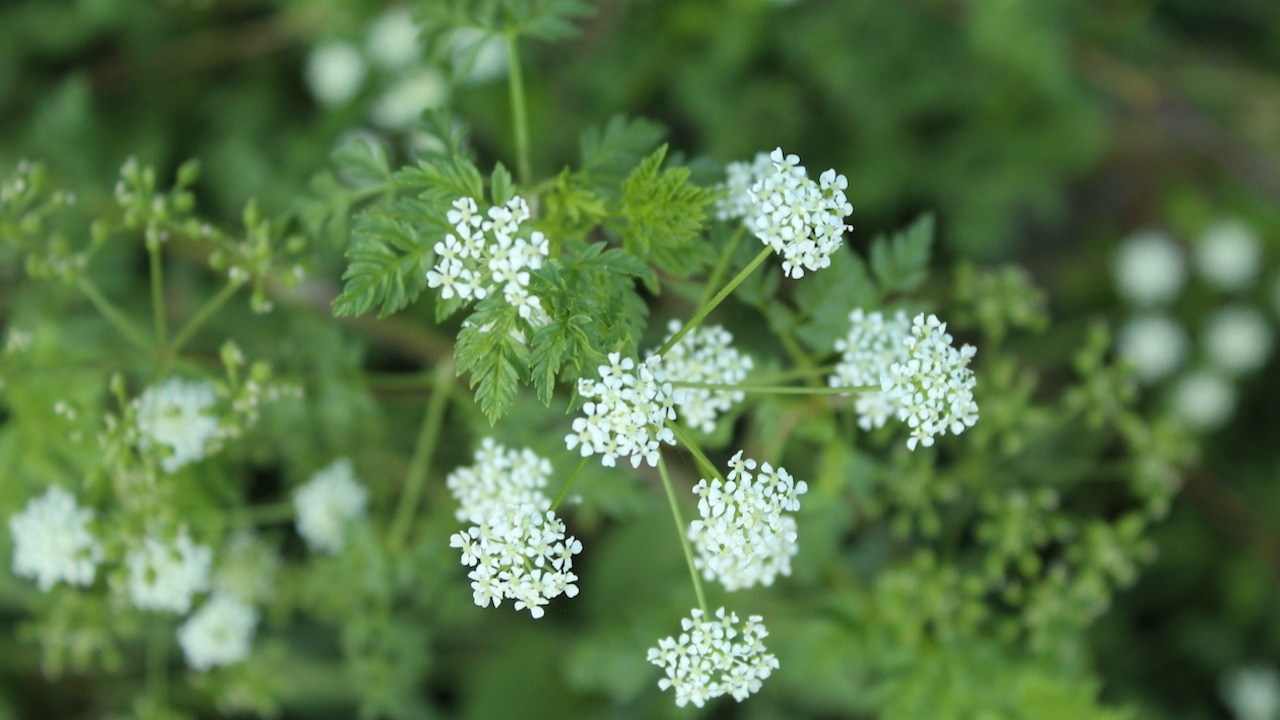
{"type": "Point", "coordinates": [1205, 401]}
{"type": "Point", "coordinates": [1229, 255]}
{"type": "Point", "coordinates": [163, 576]}
{"type": "Point", "coordinates": [1155, 345]}
{"type": "Point", "coordinates": [1149, 268]}
{"type": "Point", "coordinates": [625, 412]}
{"type": "Point", "coordinates": [176, 415]}
{"type": "Point", "coordinates": [1238, 339]}
{"type": "Point", "coordinates": [1253, 693]}
{"type": "Point", "coordinates": [326, 503]}
{"type": "Point", "coordinates": [219, 633]}
{"type": "Point", "coordinates": [400, 107]}
{"type": "Point", "coordinates": [874, 344]}
{"type": "Point", "coordinates": [799, 219]}
{"type": "Point", "coordinates": [392, 41]}
{"type": "Point", "coordinates": [933, 388]}
{"type": "Point", "coordinates": [52, 542]}
{"type": "Point", "coordinates": [711, 658]}
{"type": "Point", "coordinates": [705, 355]}
{"type": "Point", "coordinates": [745, 536]}
{"type": "Point", "coordinates": [739, 178]}
{"type": "Point", "coordinates": [334, 72]}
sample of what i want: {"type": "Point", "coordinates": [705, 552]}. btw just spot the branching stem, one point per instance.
{"type": "Point", "coordinates": [423, 452]}
{"type": "Point", "coordinates": [715, 301]}
{"type": "Point", "coordinates": [681, 530]}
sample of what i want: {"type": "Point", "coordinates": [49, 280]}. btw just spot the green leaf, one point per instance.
{"type": "Point", "coordinates": [496, 360]}
{"type": "Point", "coordinates": [663, 215]}
{"type": "Point", "coordinates": [609, 153]}
{"type": "Point", "coordinates": [901, 262]}
{"type": "Point", "coordinates": [387, 265]}
{"type": "Point", "coordinates": [826, 298]}
{"type": "Point", "coordinates": [444, 178]}
{"type": "Point", "coordinates": [546, 19]}
{"type": "Point", "coordinates": [500, 186]}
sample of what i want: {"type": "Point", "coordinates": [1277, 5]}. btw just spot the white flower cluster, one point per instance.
{"type": "Point", "coordinates": [176, 415]}
{"type": "Point", "coordinates": [801, 220]}
{"type": "Point", "coordinates": [1149, 268]}
{"type": "Point", "coordinates": [219, 633]}
{"type": "Point", "coordinates": [1228, 255]}
{"type": "Point", "coordinates": [933, 389]}
{"type": "Point", "coordinates": [1238, 339]}
{"type": "Point", "coordinates": [516, 545]}
{"type": "Point", "coordinates": [739, 177]}
{"type": "Point", "coordinates": [1253, 693]}
{"type": "Point", "coordinates": [625, 412]}
{"type": "Point", "coordinates": [705, 355]}
{"type": "Point", "coordinates": [874, 344]}
{"type": "Point", "coordinates": [481, 254]}
{"type": "Point", "coordinates": [711, 658]}
{"type": "Point", "coordinates": [326, 503]}
{"type": "Point", "coordinates": [52, 542]}
{"type": "Point", "coordinates": [164, 576]}
{"type": "Point", "coordinates": [1153, 343]}
{"type": "Point", "coordinates": [745, 536]}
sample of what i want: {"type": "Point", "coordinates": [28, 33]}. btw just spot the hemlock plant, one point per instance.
{"type": "Point", "coordinates": [946, 544]}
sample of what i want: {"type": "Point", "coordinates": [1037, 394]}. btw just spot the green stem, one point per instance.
{"type": "Point", "coordinates": [266, 514]}
{"type": "Point", "coordinates": [719, 298]}
{"type": "Point", "coordinates": [518, 114]}
{"type": "Point", "coordinates": [157, 294]}
{"type": "Point", "coordinates": [794, 374]}
{"type": "Point", "coordinates": [423, 453]}
{"type": "Point", "coordinates": [203, 314]}
{"type": "Point", "coordinates": [692, 446]}
{"type": "Point", "coordinates": [682, 531]}
{"type": "Point", "coordinates": [572, 478]}
{"type": "Point", "coordinates": [778, 389]}
{"type": "Point", "coordinates": [118, 319]}
{"type": "Point", "coordinates": [157, 660]}
{"type": "Point", "coordinates": [722, 265]}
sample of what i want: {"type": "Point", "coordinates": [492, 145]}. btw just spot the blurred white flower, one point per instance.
{"type": "Point", "coordinates": [1149, 268]}
{"type": "Point", "coordinates": [176, 415]}
{"type": "Point", "coordinates": [165, 575]}
{"type": "Point", "coordinates": [711, 658]}
{"type": "Point", "coordinates": [247, 568]}
{"type": "Point", "coordinates": [1204, 400]}
{"type": "Point", "coordinates": [392, 40]}
{"type": "Point", "coordinates": [52, 542]}
{"type": "Point", "coordinates": [326, 503]}
{"type": "Point", "coordinates": [739, 178]}
{"type": "Point", "coordinates": [1229, 255]}
{"type": "Point", "coordinates": [873, 345]}
{"type": "Point", "coordinates": [400, 106]}
{"type": "Point", "coordinates": [1253, 693]}
{"type": "Point", "coordinates": [478, 56]}
{"type": "Point", "coordinates": [705, 355]}
{"type": "Point", "coordinates": [1238, 339]}
{"type": "Point", "coordinates": [1155, 345]}
{"type": "Point", "coordinates": [334, 72]}
{"type": "Point", "coordinates": [219, 633]}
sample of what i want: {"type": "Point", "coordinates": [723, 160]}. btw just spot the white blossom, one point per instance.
{"type": "Point", "coordinates": [745, 536]}
{"type": "Point", "coordinates": [403, 103]}
{"type": "Point", "coordinates": [1154, 344]}
{"type": "Point", "coordinates": [326, 503]}
{"type": "Point", "coordinates": [739, 178]}
{"type": "Point", "coordinates": [874, 344]}
{"type": "Point", "coordinates": [1253, 693]}
{"type": "Point", "coordinates": [933, 388]}
{"type": "Point", "coordinates": [1149, 268]}
{"type": "Point", "coordinates": [801, 220]}
{"type": "Point", "coordinates": [1238, 339]}
{"type": "Point", "coordinates": [164, 575]}
{"type": "Point", "coordinates": [392, 39]}
{"type": "Point", "coordinates": [625, 412]}
{"type": "Point", "coordinates": [52, 541]}
{"type": "Point", "coordinates": [219, 633]}
{"type": "Point", "coordinates": [482, 256]}
{"type": "Point", "coordinates": [334, 72]}
{"type": "Point", "coordinates": [714, 657]}
{"type": "Point", "coordinates": [176, 415]}
{"type": "Point", "coordinates": [516, 546]}
{"type": "Point", "coordinates": [1228, 255]}
{"type": "Point", "coordinates": [705, 355]}
{"type": "Point", "coordinates": [1204, 400]}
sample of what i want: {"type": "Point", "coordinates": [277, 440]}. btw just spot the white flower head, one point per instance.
{"type": "Point", "coordinates": [745, 536]}
{"type": "Point", "coordinates": [933, 388]}
{"type": "Point", "coordinates": [52, 542]}
{"type": "Point", "coordinates": [1253, 693]}
{"type": "Point", "coordinates": [334, 72]}
{"type": "Point", "coordinates": [801, 220]}
{"type": "Point", "coordinates": [247, 568]}
{"type": "Point", "coordinates": [219, 633]}
{"type": "Point", "coordinates": [739, 178]}
{"type": "Point", "coordinates": [705, 355]}
{"type": "Point", "coordinates": [1149, 268]}
{"type": "Point", "coordinates": [1238, 339]}
{"type": "Point", "coordinates": [625, 412]}
{"type": "Point", "coordinates": [1204, 400]}
{"type": "Point", "coordinates": [516, 546]}
{"type": "Point", "coordinates": [326, 503]}
{"type": "Point", "coordinates": [1154, 344]}
{"type": "Point", "coordinates": [177, 415]}
{"type": "Point", "coordinates": [875, 343]}
{"type": "Point", "coordinates": [400, 106]}
{"type": "Point", "coordinates": [392, 40]}
{"type": "Point", "coordinates": [714, 657]}
{"type": "Point", "coordinates": [1229, 255]}
{"type": "Point", "coordinates": [164, 575]}
{"type": "Point", "coordinates": [477, 55]}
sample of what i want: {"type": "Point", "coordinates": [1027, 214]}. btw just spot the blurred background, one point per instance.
{"type": "Point", "coordinates": [1126, 152]}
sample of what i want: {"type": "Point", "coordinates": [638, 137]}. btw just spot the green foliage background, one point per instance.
{"type": "Point", "coordinates": [972, 131]}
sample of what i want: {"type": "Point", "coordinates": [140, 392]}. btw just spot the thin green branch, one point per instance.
{"type": "Point", "coordinates": [692, 446]}
{"type": "Point", "coordinates": [113, 314]}
{"type": "Point", "coordinates": [793, 374]}
{"type": "Point", "coordinates": [572, 478]}
{"type": "Point", "coordinates": [777, 389]}
{"type": "Point", "coordinates": [682, 531]}
{"type": "Point", "coordinates": [203, 314]}
{"type": "Point", "coordinates": [265, 514]}
{"type": "Point", "coordinates": [423, 452]}
{"type": "Point", "coordinates": [722, 265]}
{"type": "Point", "coordinates": [715, 301]}
{"type": "Point", "coordinates": [519, 116]}
{"type": "Point", "coordinates": [157, 294]}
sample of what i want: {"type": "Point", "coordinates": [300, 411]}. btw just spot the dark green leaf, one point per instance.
{"type": "Point", "coordinates": [901, 262]}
